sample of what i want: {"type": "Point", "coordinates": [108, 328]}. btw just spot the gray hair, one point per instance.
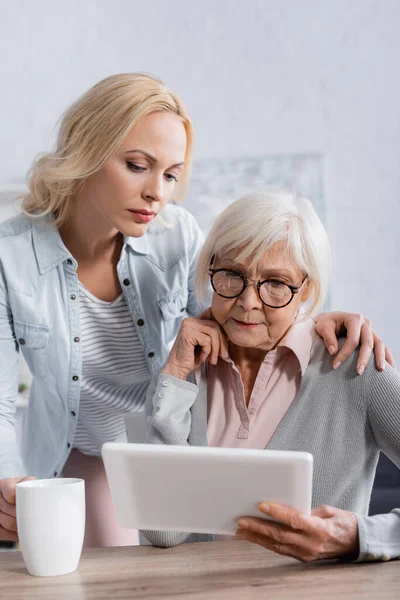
{"type": "Point", "coordinates": [254, 223]}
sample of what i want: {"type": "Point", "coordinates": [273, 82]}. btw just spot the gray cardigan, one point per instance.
{"type": "Point", "coordinates": [342, 418]}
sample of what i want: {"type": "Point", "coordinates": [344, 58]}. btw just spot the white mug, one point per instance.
{"type": "Point", "coordinates": [51, 524]}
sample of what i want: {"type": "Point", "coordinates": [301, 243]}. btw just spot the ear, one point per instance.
{"type": "Point", "coordinates": [307, 290]}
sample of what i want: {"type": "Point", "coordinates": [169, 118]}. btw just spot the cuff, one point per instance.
{"type": "Point", "coordinates": [379, 537]}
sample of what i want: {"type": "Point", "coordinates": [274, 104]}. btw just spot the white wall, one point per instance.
{"type": "Point", "coordinates": [258, 77]}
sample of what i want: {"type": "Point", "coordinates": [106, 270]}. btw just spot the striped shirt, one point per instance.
{"type": "Point", "coordinates": [113, 379]}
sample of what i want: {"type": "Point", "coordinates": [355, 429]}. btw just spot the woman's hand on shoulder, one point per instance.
{"type": "Point", "coordinates": [359, 332]}
{"type": "Point", "coordinates": [199, 340]}
{"type": "Point", "coordinates": [327, 533]}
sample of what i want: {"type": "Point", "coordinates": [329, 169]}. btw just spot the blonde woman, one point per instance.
{"type": "Point", "coordinates": [256, 375]}
{"type": "Point", "coordinates": [94, 285]}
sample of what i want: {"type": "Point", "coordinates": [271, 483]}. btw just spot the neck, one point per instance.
{"type": "Point", "coordinates": [246, 357]}
{"type": "Point", "coordinates": [89, 238]}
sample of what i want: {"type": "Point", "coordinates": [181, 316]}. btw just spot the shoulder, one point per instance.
{"type": "Point", "coordinates": [173, 237]}
{"type": "Point", "coordinates": [14, 227]}
{"type": "Point", "coordinates": [321, 362]}
{"type": "Point", "coordinates": [173, 218]}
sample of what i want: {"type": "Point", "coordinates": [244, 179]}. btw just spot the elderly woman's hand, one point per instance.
{"type": "Point", "coordinates": [199, 340]}
{"type": "Point", "coordinates": [327, 533]}
{"type": "Point", "coordinates": [359, 332]}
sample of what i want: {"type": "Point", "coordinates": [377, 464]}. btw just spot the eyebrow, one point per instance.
{"type": "Point", "coordinates": [152, 158]}
{"type": "Point", "coordinates": [264, 273]}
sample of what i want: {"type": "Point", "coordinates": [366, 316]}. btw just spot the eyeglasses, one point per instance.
{"type": "Point", "coordinates": [272, 293]}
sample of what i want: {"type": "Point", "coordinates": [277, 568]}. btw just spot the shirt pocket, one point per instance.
{"type": "Point", "coordinates": [173, 310]}
{"type": "Point", "coordinates": [174, 306]}
{"type": "Point", "coordinates": [32, 341]}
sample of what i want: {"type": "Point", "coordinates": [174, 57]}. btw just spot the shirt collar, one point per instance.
{"type": "Point", "coordinates": [49, 248]}
{"type": "Point", "coordinates": [138, 244]}
{"type": "Point", "coordinates": [300, 339]}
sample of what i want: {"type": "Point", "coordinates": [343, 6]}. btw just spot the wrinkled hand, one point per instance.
{"type": "Point", "coordinates": [328, 533]}
{"type": "Point", "coordinates": [198, 340]}
{"type": "Point", "coordinates": [359, 332]}
{"type": "Point", "coordinates": [8, 521]}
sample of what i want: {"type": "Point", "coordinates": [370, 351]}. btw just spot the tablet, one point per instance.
{"type": "Point", "coordinates": [201, 489]}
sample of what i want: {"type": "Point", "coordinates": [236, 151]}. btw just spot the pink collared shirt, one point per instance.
{"type": "Point", "coordinates": [233, 424]}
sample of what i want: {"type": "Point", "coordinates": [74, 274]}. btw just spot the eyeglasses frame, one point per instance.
{"type": "Point", "coordinates": [293, 288]}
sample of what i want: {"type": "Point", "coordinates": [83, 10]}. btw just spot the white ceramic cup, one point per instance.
{"type": "Point", "coordinates": [51, 524]}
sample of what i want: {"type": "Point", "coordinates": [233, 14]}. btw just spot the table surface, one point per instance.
{"type": "Point", "coordinates": [229, 570]}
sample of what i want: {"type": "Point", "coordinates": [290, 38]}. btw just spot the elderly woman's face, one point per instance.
{"type": "Point", "coordinates": [246, 320]}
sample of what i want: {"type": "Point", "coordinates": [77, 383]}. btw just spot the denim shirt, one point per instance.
{"type": "Point", "coordinates": [39, 316]}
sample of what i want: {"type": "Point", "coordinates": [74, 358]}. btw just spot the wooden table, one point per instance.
{"type": "Point", "coordinates": [228, 570]}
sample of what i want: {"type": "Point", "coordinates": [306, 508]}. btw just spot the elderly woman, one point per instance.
{"type": "Point", "coordinates": [252, 373]}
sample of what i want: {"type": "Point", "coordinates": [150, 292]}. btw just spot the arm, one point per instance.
{"type": "Point", "coordinates": [379, 535]}
{"type": "Point", "coordinates": [10, 461]}
{"type": "Point", "coordinates": [168, 421]}
{"type": "Point", "coordinates": [330, 532]}
{"type": "Point", "coordinates": [168, 404]}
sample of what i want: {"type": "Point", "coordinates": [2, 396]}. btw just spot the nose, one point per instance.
{"type": "Point", "coordinates": [249, 298]}
{"type": "Point", "coordinates": [154, 190]}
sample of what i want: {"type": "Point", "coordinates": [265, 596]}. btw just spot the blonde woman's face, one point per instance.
{"type": "Point", "coordinates": [138, 180]}
{"type": "Point", "coordinates": [246, 320]}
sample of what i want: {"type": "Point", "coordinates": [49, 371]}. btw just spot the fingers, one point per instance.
{"type": "Point", "coordinates": [389, 358]}
{"type": "Point", "coordinates": [285, 514]}
{"type": "Point", "coordinates": [379, 352]}
{"type": "Point", "coordinates": [326, 328]}
{"type": "Point", "coordinates": [7, 522]}
{"type": "Point", "coordinates": [7, 508]}
{"type": "Point", "coordinates": [9, 536]}
{"type": "Point", "coordinates": [353, 326]}
{"type": "Point", "coordinates": [7, 489]}
{"type": "Point", "coordinates": [366, 347]}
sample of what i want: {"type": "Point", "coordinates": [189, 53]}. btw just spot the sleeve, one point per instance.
{"type": "Point", "coordinates": [168, 410]}
{"type": "Point", "coordinates": [168, 419]}
{"type": "Point", "coordinates": [379, 535]}
{"type": "Point", "coordinates": [10, 460]}
{"type": "Point", "coordinates": [194, 306]}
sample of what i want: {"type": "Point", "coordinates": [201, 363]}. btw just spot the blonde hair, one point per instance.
{"type": "Point", "coordinates": [255, 223]}
{"type": "Point", "coordinates": [91, 130]}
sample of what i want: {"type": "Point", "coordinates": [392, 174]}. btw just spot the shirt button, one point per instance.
{"type": "Point", "coordinates": [75, 378]}
{"type": "Point", "coordinates": [73, 413]}
{"type": "Point", "coordinates": [140, 322]}
{"type": "Point", "coordinates": [151, 355]}
{"type": "Point", "coordinates": [73, 297]}
{"type": "Point", "coordinates": [76, 339]}
{"type": "Point", "coordinates": [21, 341]}
{"type": "Point", "coordinates": [55, 474]}
{"type": "Point", "coordinates": [160, 395]}
{"type": "Point", "coordinates": [126, 282]}
{"type": "Point", "coordinates": [69, 261]}
{"type": "Point", "coordinates": [165, 383]}
{"type": "Point", "coordinates": [68, 445]}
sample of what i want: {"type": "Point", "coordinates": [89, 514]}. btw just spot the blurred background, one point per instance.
{"type": "Point", "coordinates": [305, 93]}
{"type": "Point", "coordinates": [259, 78]}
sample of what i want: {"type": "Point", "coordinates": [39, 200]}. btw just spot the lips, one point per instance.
{"type": "Point", "coordinates": [142, 215]}
{"type": "Point", "coordinates": [245, 325]}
